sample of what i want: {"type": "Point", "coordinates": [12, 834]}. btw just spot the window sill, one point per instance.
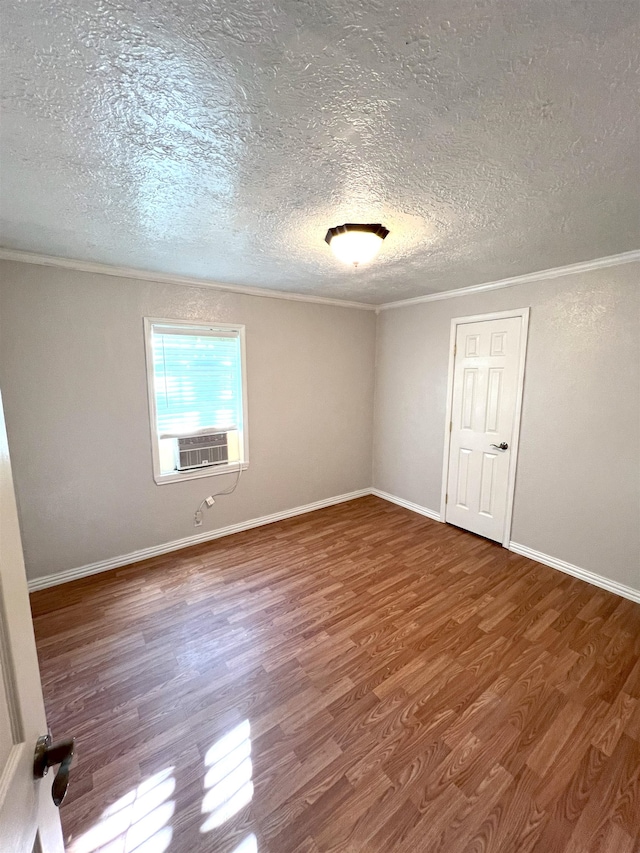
{"type": "Point", "coordinates": [213, 471]}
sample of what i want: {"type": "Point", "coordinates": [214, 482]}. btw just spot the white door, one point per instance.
{"type": "Point", "coordinates": [485, 403]}
{"type": "Point", "coordinates": [28, 818]}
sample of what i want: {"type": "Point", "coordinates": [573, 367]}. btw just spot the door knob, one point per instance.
{"type": "Point", "coordinates": [49, 754]}
{"type": "Point", "coordinates": [502, 446]}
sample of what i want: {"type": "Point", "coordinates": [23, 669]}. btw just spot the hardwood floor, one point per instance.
{"type": "Point", "coordinates": [399, 685]}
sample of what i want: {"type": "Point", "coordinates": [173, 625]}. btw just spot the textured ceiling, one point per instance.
{"type": "Point", "coordinates": [222, 139]}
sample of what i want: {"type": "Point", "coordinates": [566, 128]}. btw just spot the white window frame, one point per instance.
{"type": "Point", "coordinates": [215, 470]}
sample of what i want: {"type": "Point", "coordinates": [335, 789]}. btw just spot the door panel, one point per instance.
{"type": "Point", "coordinates": [484, 401]}
{"type": "Point", "coordinates": [494, 400]}
{"type": "Point", "coordinates": [27, 814]}
{"type": "Point", "coordinates": [489, 465]}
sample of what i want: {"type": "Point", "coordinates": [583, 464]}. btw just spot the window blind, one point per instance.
{"type": "Point", "coordinates": [197, 380]}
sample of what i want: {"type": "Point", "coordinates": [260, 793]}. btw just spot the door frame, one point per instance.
{"type": "Point", "coordinates": [523, 314]}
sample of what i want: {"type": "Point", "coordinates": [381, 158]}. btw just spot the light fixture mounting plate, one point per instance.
{"type": "Point", "coordinates": [377, 229]}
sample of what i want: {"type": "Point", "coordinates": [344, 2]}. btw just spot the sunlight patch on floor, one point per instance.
{"type": "Point", "coordinates": [228, 782]}
{"type": "Point", "coordinates": [249, 845]}
{"type": "Point", "coordinates": [136, 823]}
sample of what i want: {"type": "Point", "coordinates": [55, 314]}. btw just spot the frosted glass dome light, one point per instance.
{"type": "Point", "coordinates": [356, 244]}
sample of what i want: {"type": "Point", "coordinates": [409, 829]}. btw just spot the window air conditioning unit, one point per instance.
{"type": "Point", "coordinates": [202, 450]}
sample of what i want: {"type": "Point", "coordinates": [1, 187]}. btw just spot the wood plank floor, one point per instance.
{"type": "Point", "coordinates": [356, 679]}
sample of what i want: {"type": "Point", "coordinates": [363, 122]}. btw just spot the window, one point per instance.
{"type": "Point", "coordinates": [197, 399]}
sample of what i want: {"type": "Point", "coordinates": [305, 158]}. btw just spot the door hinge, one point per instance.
{"type": "Point", "coordinates": [455, 350]}
{"type": "Point", "coordinates": [446, 499]}
{"type": "Point", "coordinates": [450, 425]}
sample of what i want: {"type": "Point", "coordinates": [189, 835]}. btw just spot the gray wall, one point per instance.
{"type": "Point", "coordinates": [73, 379]}
{"type": "Point", "coordinates": [72, 372]}
{"type": "Point", "coordinates": [578, 480]}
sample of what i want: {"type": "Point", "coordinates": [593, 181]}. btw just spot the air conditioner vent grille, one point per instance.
{"type": "Point", "coordinates": [200, 451]}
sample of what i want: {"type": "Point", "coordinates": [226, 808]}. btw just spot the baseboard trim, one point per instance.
{"type": "Point", "coordinates": [208, 536]}
{"type": "Point", "coordinates": [178, 544]}
{"type": "Point", "coordinates": [547, 560]}
{"type": "Point", "coordinates": [421, 510]}
{"type": "Point", "coordinates": [569, 569]}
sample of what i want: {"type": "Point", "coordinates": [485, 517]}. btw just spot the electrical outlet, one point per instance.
{"type": "Point", "coordinates": [197, 521]}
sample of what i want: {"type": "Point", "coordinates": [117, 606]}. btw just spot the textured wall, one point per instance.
{"type": "Point", "coordinates": [73, 379]}
{"type": "Point", "coordinates": [578, 486]}
{"type": "Point", "coordinates": [222, 139]}
{"type": "Point", "coordinates": [72, 372]}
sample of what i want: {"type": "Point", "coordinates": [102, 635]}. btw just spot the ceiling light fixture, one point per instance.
{"type": "Point", "coordinates": [356, 244]}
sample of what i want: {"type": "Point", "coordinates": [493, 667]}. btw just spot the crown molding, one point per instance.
{"type": "Point", "coordinates": [163, 278]}
{"type": "Point", "coordinates": [543, 275]}
{"type": "Point", "coordinates": [188, 281]}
